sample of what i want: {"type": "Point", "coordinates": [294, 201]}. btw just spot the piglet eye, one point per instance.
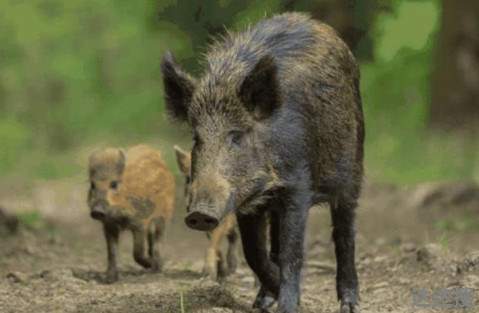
{"type": "Point", "coordinates": [92, 185]}
{"type": "Point", "coordinates": [235, 137]}
{"type": "Point", "coordinates": [114, 184]}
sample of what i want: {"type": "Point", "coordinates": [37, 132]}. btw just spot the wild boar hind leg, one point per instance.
{"type": "Point", "coordinates": [347, 285]}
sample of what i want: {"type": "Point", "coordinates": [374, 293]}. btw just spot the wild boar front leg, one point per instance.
{"type": "Point", "coordinates": [111, 233]}
{"type": "Point", "coordinates": [155, 237]}
{"type": "Point", "coordinates": [253, 236]}
{"type": "Point", "coordinates": [265, 299]}
{"type": "Point", "coordinates": [139, 237]}
{"type": "Point", "coordinates": [292, 225]}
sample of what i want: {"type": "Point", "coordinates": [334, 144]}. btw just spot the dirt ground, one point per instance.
{"type": "Point", "coordinates": [424, 236]}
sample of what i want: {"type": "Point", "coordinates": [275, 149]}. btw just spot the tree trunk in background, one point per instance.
{"type": "Point", "coordinates": [352, 19]}
{"type": "Point", "coordinates": [340, 15]}
{"type": "Point", "coordinates": [455, 83]}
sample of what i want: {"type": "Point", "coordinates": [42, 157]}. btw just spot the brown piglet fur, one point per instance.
{"type": "Point", "coordinates": [131, 190]}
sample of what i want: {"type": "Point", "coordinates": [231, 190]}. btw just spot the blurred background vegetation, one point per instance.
{"type": "Point", "coordinates": [82, 73]}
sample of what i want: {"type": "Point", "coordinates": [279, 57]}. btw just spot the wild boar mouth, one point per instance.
{"type": "Point", "coordinates": [262, 190]}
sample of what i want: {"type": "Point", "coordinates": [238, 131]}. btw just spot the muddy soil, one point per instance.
{"type": "Point", "coordinates": [408, 237]}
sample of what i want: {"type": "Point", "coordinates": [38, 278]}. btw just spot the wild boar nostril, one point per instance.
{"type": "Point", "coordinates": [210, 221]}
{"type": "Point", "coordinates": [201, 221]}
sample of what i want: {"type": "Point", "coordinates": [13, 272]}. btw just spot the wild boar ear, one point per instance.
{"type": "Point", "coordinates": [178, 88]}
{"type": "Point", "coordinates": [92, 165]}
{"type": "Point", "coordinates": [183, 159]}
{"type": "Point", "coordinates": [259, 90]}
{"type": "Point", "coordinates": [120, 166]}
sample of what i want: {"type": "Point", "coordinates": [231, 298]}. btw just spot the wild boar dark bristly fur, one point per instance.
{"type": "Point", "coordinates": [278, 126]}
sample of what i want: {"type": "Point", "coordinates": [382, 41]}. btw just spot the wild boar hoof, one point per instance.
{"type": "Point", "coordinates": [349, 301]}
{"type": "Point", "coordinates": [263, 300]}
{"type": "Point", "coordinates": [111, 277]}
{"type": "Point", "coordinates": [348, 307]}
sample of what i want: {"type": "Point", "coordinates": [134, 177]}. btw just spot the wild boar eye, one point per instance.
{"type": "Point", "coordinates": [235, 137]}
{"type": "Point", "coordinates": [92, 185]}
{"type": "Point", "coordinates": [114, 184]}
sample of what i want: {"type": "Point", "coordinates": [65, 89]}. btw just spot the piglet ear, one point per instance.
{"type": "Point", "coordinates": [183, 159]}
{"type": "Point", "coordinates": [120, 165]}
{"type": "Point", "coordinates": [259, 90]}
{"type": "Point", "coordinates": [178, 88]}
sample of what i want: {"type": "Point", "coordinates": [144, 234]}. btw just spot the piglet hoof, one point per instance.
{"type": "Point", "coordinates": [232, 266]}
{"type": "Point", "coordinates": [111, 277]}
{"type": "Point", "coordinates": [264, 300]}
{"type": "Point", "coordinates": [231, 269]}
{"type": "Point", "coordinates": [156, 267]}
{"type": "Point", "coordinates": [210, 274]}
{"type": "Point", "coordinates": [221, 275]}
{"type": "Point", "coordinates": [348, 307]}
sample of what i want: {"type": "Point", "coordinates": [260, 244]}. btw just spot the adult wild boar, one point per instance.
{"type": "Point", "coordinates": [278, 126]}
{"type": "Point", "coordinates": [135, 191]}
{"type": "Point", "coordinates": [216, 265]}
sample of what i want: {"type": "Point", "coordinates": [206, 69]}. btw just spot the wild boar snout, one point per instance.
{"type": "Point", "coordinates": [202, 220]}
{"type": "Point", "coordinates": [209, 203]}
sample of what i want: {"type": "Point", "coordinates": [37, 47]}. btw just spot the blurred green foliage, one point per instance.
{"type": "Point", "coordinates": [396, 95]}
{"type": "Point", "coordinates": [73, 73]}
{"type": "Point", "coordinates": [32, 220]}
{"type": "Point", "coordinates": [458, 224]}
